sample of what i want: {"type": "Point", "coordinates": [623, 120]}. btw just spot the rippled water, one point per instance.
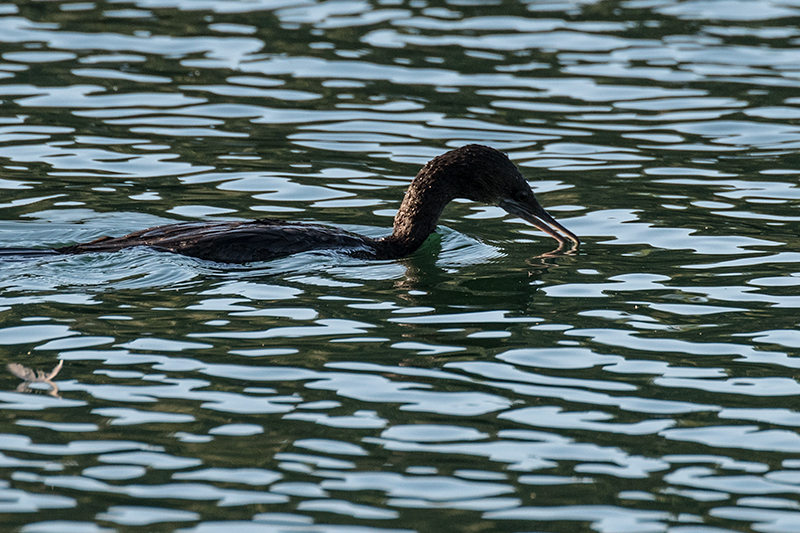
{"type": "Point", "coordinates": [646, 384]}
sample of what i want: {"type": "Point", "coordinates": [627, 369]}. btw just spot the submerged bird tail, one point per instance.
{"type": "Point", "coordinates": [21, 254]}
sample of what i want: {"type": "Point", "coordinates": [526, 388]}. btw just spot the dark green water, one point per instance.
{"type": "Point", "coordinates": [646, 384]}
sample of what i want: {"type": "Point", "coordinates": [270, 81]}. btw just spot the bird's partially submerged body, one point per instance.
{"type": "Point", "coordinates": [237, 241]}
{"type": "Point", "coordinates": [473, 172]}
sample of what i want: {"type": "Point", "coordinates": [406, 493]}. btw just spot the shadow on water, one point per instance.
{"type": "Point", "coordinates": [472, 274]}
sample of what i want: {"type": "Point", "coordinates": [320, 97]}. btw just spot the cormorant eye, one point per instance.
{"type": "Point", "coordinates": [522, 195]}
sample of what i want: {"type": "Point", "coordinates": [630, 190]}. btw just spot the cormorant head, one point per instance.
{"type": "Point", "coordinates": [486, 175]}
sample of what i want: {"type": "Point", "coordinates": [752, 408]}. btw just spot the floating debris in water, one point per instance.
{"type": "Point", "coordinates": [29, 376]}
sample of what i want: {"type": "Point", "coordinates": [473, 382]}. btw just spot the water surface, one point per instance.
{"type": "Point", "coordinates": [644, 384]}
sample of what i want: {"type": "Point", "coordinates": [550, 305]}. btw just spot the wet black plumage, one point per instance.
{"type": "Point", "coordinates": [473, 172]}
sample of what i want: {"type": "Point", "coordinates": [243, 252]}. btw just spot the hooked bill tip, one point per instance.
{"type": "Point", "coordinates": [535, 215]}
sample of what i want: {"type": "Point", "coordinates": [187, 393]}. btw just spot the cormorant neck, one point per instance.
{"type": "Point", "coordinates": [419, 213]}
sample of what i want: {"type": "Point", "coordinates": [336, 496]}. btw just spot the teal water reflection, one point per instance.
{"type": "Point", "coordinates": [645, 384]}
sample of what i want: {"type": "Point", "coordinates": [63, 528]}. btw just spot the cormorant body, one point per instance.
{"type": "Point", "coordinates": [473, 172]}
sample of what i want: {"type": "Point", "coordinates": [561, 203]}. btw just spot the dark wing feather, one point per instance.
{"type": "Point", "coordinates": [232, 242]}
